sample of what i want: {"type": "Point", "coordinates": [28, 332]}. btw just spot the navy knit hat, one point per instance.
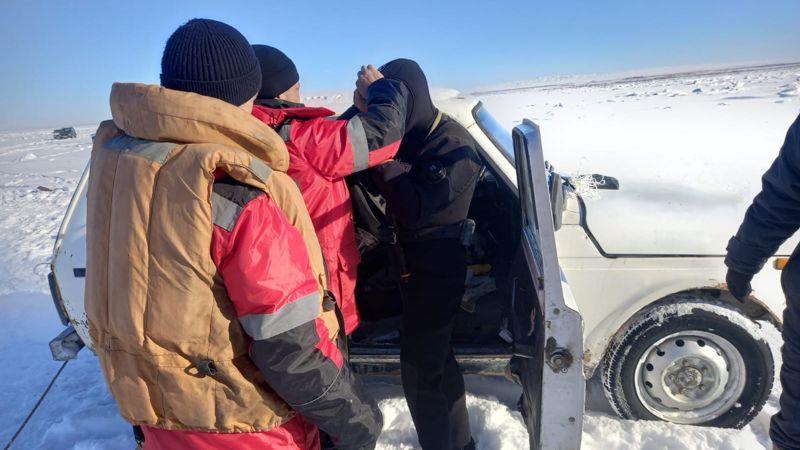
{"type": "Point", "coordinates": [278, 72]}
{"type": "Point", "coordinates": [213, 59]}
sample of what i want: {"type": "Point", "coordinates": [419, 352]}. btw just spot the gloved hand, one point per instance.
{"type": "Point", "coordinates": [739, 284]}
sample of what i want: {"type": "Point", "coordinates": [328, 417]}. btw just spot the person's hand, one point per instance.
{"type": "Point", "coordinates": [359, 102]}
{"type": "Point", "coordinates": [739, 284]}
{"type": "Point", "coordinates": [366, 76]}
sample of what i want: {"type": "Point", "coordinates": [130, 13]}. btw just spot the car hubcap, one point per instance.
{"type": "Point", "coordinates": [690, 377]}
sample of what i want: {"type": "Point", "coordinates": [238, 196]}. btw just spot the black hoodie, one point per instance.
{"type": "Point", "coordinates": [433, 177]}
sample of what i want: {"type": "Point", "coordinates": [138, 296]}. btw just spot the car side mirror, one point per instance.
{"type": "Point", "coordinates": [605, 182]}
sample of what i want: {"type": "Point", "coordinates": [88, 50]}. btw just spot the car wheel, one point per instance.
{"type": "Point", "coordinates": [690, 360]}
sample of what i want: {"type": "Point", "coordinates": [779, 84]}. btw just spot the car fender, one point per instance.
{"type": "Point", "coordinates": [623, 310]}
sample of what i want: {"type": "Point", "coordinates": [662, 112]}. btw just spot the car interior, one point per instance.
{"type": "Point", "coordinates": [484, 321]}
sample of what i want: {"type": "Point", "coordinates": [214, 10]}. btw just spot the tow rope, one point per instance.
{"type": "Point", "coordinates": [35, 407]}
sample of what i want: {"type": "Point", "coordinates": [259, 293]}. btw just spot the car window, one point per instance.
{"type": "Point", "coordinates": [497, 133]}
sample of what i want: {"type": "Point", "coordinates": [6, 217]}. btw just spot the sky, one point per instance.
{"type": "Point", "coordinates": [58, 59]}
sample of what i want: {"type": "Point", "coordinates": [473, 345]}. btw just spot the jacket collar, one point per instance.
{"type": "Point", "coordinates": [156, 113]}
{"type": "Point", "coordinates": [276, 103]}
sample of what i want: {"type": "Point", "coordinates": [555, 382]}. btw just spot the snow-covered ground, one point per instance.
{"type": "Point", "coordinates": [710, 131]}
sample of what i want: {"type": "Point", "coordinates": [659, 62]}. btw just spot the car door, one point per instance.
{"type": "Point", "coordinates": [548, 327]}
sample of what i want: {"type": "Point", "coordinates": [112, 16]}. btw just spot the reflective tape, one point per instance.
{"type": "Point", "coordinates": [149, 150]}
{"type": "Point", "coordinates": [260, 169]}
{"type": "Point", "coordinates": [285, 132]}
{"type": "Point", "coordinates": [358, 141]}
{"type": "Point", "coordinates": [292, 315]}
{"type": "Point", "coordinates": [224, 212]}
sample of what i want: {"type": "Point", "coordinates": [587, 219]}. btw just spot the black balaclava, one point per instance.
{"type": "Point", "coordinates": [422, 114]}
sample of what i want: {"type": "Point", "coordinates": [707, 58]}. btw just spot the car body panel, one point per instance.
{"type": "Point", "coordinates": [68, 264]}
{"type": "Point", "coordinates": [612, 289]}
{"type": "Point", "coordinates": [650, 218]}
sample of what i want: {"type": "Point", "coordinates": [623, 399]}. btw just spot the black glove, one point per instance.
{"type": "Point", "coordinates": [739, 284]}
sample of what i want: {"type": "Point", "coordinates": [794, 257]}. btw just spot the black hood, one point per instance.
{"type": "Point", "coordinates": [422, 113]}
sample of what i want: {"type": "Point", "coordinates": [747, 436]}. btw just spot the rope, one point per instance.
{"type": "Point", "coordinates": [35, 407]}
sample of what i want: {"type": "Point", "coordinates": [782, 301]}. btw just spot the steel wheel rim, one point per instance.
{"type": "Point", "coordinates": [690, 377]}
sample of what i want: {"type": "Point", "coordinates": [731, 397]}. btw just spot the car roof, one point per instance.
{"type": "Point", "coordinates": [454, 103]}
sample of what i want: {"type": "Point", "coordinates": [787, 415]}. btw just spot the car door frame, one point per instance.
{"type": "Point", "coordinates": [549, 339]}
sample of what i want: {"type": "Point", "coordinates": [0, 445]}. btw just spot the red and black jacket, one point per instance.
{"type": "Point", "coordinates": [262, 258]}
{"type": "Point", "coordinates": [323, 152]}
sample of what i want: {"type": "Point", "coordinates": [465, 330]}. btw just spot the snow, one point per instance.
{"type": "Point", "coordinates": [651, 130]}
{"type": "Point", "coordinates": [710, 131]}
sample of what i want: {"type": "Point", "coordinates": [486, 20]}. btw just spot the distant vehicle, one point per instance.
{"type": "Point", "coordinates": [65, 133]}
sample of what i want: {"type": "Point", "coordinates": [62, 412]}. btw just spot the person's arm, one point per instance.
{"type": "Point", "coordinates": [337, 148]}
{"type": "Point", "coordinates": [262, 259]}
{"type": "Point", "coordinates": [775, 213]}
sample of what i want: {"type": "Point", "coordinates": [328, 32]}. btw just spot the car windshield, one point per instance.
{"type": "Point", "coordinates": [499, 135]}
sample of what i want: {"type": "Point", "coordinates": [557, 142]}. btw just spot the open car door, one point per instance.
{"type": "Point", "coordinates": [548, 328]}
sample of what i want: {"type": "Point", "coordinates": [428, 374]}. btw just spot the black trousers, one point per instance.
{"type": "Point", "coordinates": [432, 381]}
{"type": "Point", "coordinates": [785, 426]}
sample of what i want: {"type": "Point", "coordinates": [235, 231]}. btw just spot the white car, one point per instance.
{"type": "Point", "coordinates": [672, 343]}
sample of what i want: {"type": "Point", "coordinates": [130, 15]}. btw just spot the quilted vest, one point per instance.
{"type": "Point", "coordinates": [158, 311]}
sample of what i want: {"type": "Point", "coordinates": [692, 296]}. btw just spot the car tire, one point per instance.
{"type": "Point", "coordinates": [690, 360]}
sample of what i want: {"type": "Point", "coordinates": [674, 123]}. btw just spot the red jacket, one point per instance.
{"type": "Point", "coordinates": [321, 153]}
{"type": "Point", "coordinates": [261, 257]}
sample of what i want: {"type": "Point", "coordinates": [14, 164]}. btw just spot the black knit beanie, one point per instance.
{"type": "Point", "coordinates": [278, 72]}
{"type": "Point", "coordinates": [213, 59]}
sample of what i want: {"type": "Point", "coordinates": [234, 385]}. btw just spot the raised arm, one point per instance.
{"type": "Point", "coordinates": [337, 148]}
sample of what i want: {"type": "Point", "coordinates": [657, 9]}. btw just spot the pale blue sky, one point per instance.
{"type": "Point", "coordinates": [59, 58]}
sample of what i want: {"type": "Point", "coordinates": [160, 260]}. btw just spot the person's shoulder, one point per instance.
{"type": "Point", "coordinates": [457, 138]}
{"type": "Point", "coordinates": [235, 191]}
{"type": "Point", "coordinates": [453, 132]}
{"type": "Point", "coordinates": [451, 126]}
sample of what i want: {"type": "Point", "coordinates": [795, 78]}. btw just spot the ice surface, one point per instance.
{"type": "Point", "coordinates": [663, 132]}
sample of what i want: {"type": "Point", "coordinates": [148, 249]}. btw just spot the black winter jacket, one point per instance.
{"type": "Point", "coordinates": [775, 213]}
{"type": "Point", "coordinates": [431, 180]}
{"type": "Point", "coordinates": [434, 185]}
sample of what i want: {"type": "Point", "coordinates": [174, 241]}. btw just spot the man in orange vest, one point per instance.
{"type": "Point", "coordinates": [205, 281]}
